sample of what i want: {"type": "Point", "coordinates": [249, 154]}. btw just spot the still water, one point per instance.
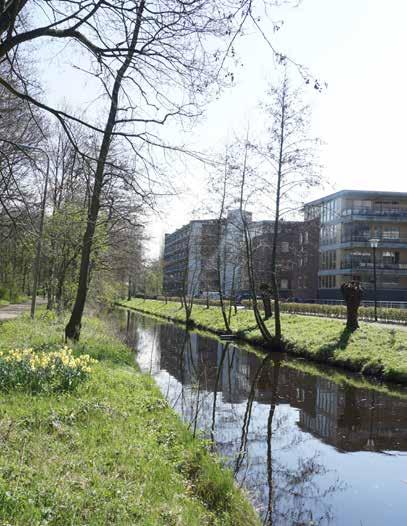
{"type": "Point", "coordinates": [307, 450]}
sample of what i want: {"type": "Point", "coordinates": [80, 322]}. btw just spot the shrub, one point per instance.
{"type": "Point", "coordinates": [339, 311]}
{"type": "Point", "coordinates": [42, 371]}
{"type": "Point", "coordinates": [316, 309]}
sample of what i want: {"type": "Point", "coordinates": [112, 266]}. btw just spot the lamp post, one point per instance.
{"type": "Point", "coordinates": [374, 242]}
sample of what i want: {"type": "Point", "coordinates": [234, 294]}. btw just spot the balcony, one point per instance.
{"type": "Point", "coordinates": [396, 213]}
{"type": "Point", "coordinates": [399, 268]}
{"type": "Point", "coordinates": [364, 240]}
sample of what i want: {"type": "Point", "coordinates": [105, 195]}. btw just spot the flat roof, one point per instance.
{"type": "Point", "coordinates": [358, 193]}
{"type": "Point", "coordinates": [184, 227]}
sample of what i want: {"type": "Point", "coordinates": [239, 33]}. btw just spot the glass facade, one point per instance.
{"type": "Point", "coordinates": [348, 221]}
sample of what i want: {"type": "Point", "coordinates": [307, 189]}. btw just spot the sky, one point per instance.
{"type": "Point", "coordinates": [358, 48]}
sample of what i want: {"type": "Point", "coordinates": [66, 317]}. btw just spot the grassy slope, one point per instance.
{"type": "Point", "coordinates": [370, 350]}
{"type": "Point", "coordinates": [112, 452]}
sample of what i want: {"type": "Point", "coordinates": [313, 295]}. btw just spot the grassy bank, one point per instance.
{"type": "Point", "coordinates": [372, 351]}
{"type": "Point", "coordinates": [109, 452]}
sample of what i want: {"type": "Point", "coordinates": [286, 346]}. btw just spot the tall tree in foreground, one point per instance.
{"type": "Point", "coordinates": [155, 61]}
{"type": "Point", "coordinates": [72, 330]}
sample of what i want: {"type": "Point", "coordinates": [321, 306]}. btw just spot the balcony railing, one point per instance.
{"type": "Point", "coordinates": [366, 239]}
{"type": "Point", "coordinates": [396, 211]}
{"type": "Point", "coordinates": [352, 264]}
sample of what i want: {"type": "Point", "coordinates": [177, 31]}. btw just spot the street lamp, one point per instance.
{"type": "Point", "coordinates": [374, 242]}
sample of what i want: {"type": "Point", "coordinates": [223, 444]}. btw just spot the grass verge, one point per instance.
{"type": "Point", "coordinates": [371, 351]}
{"type": "Point", "coordinates": [109, 452]}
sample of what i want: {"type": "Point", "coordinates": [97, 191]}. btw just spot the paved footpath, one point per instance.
{"type": "Point", "coordinates": [377, 324]}
{"type": "Point", "coordinates": [10, 312]}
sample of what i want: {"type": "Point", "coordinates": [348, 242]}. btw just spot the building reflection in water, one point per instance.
{"type": "Point", "coordinates": [272, 423]}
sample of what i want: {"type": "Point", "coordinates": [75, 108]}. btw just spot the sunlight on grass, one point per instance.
{"type": "Point", "coordinates": [110, 452]}
{"type": "Point", "coordinates": [371, 350]}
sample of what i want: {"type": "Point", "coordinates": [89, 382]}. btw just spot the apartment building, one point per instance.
{"type": "Point", "coordinates": [193, 253]}
{"type": "Point", "coordinates": [349, 220]}
{"type": "Point", "coordinates": [190, 255]}
{"type": "Point", "coordinates": [297, 256]}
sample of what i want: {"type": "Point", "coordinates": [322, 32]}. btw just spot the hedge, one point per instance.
{"type": "Point", "coordinates": [339, 311]}
{"type": "Point", "coordinates": [385, 315]}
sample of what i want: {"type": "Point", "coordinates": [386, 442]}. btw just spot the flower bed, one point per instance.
{"type": "Point", "coordinates": [43, 371]}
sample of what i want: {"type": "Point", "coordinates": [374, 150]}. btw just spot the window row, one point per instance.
{"type": "Point", "coordinates": [304, 238]}
{"type": "Point", "coordinates": [329, 211]}
{"type": "Point", "coordinates": [327, 260]}
{"type": "Point", "coordinates": [327, 282]}
{"type": "Point", "coordinates": [328, 234]}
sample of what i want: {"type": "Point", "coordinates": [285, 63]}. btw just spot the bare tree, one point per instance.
{"type": "Point", "coordinates": [290, 156]}
{"type": "Point", "coordinates": [268, 338]}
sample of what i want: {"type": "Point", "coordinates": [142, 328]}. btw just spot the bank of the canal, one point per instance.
{"type": "Point", "coordinates": [310, 448]}
{"type": "Point", "coordinates": [371, 351]}
{"type": "Point", "coordinates": [112, 451]}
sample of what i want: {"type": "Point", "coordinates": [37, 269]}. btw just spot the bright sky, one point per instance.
{"type": "Point", "coordinates": [358, 47]}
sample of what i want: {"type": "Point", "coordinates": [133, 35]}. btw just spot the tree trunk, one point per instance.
{"type": "Point", "coordinates": [274, 283]}
{"type": "Point", "coordinates": [129, 290]}
{"type": "Point", "coordinates": [58, 292]}
{"type": "Point", "coordinates": [248, 246]}
{"type": "Point", "coordinates": [73, 328]}
{"type": "Point", "coordinates": [352, 293]}
{"type": "Point", "coordinates": [266, 298]}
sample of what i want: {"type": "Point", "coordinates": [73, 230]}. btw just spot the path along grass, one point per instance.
{"type": "Point", "coordinates": [110, 451]}
{"type": "Point", "coordinates": [370, 350]}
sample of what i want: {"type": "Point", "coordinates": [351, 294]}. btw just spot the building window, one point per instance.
{"type": "Point", "coordinates": [284, 284]}
{"type": "Point", "coordinates": [285, 247]}
{"type": "Point", "coordinates": [328, 260]}
{"type": "Point", "coordinates": [328, 234]}
{"type": "Point", "coordinates": [362, 203]}
{"type": "Point", "coordinates": [327, 282]}
{"type": "Point", "coordinates": [391, 258]}
{"type": "Point", "coordinates": [391, 232]}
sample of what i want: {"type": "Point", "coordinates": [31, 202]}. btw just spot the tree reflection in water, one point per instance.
{"type": "Point", "coordinates": [289, 494]}
{"type": "Point", "coordinates": [280, 429]}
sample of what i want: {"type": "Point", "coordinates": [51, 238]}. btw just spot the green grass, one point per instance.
{"type": "Point", "coordinates": [110, 452]}
{"type": "Point", "coordinates": [15, 299]}
{"type": "Point", "coordinates": [372, 351]}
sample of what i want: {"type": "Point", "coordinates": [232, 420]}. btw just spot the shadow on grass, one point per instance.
{"type": "Point", "coordinates": [326, 351]}
{"type": "Point", "coordinates": [248, 329]}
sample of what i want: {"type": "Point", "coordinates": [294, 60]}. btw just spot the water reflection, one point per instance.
{"type": "Point", "coordinates": [284, 432]}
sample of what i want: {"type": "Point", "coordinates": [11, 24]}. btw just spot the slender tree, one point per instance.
{"type": "Point", "coordinates": [291, 165]}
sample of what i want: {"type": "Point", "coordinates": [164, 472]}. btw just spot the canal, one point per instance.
{"type": "Point", "coordinates": [308, 450]}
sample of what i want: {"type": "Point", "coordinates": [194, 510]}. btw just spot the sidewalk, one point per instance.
{"type": "Point", "coordinates": [10, 312]}
{"type": "Point", "coordinates": [378, 324]}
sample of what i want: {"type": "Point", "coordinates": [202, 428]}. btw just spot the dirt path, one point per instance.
{"type": "Point", "coordinates": [10, 312]}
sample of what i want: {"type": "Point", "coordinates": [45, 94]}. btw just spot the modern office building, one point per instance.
{"type": "Point", "coordinates": [351, 223]}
